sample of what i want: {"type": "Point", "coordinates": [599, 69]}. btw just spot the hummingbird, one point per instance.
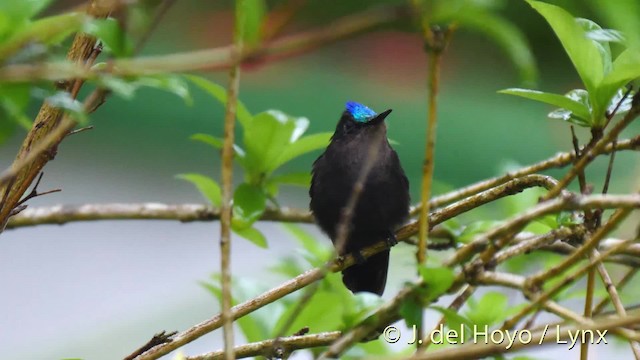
{"type": "Point", "coordinates": [383, 204]}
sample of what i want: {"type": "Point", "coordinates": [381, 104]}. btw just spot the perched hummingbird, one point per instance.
{"type": "Point", "coordinates": [383, 204]}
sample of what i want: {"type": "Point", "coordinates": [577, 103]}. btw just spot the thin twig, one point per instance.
{"type": "Point", "coordinates": [227, 189]}
{"type": "Point", "coordinates": [274, 348]}
{"type": "Point", "coordinates": [62, 214]}
{"type": "Point", "coordinates": [597, 149]}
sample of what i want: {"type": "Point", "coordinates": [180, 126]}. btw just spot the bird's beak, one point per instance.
{"type": "Point", "coordinates": [380, 117]}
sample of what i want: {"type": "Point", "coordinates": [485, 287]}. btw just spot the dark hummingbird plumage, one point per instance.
{"type": "Point", "coordinates": [383, 204]}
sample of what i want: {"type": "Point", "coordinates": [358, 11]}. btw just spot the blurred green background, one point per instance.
{"type": "Point", "coordinates": [103, 289]}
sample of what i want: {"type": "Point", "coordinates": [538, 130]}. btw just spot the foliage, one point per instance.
{"type": "Point", "coordinates": [604, 78]}
{"type": "Point", "coordinates": [270, 140]}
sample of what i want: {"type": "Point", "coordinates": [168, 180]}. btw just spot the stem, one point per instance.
{"type": "Point", "coordinates": [227, 190]}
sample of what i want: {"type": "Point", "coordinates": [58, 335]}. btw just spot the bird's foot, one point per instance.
{"type": "Point", "coordinates": [391, 239]}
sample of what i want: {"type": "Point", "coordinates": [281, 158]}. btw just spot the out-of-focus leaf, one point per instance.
{"type": "Point", "coordinates": [168, 82]}
{"type": "Point", "coordinates": [302, 146]}
{"type": "Point", "coordinates": [49, 30]}
{"type": "Point", "coordinates": [318, 254]}
{"type": "Point", "coordinates": [14, 99]}
{"type": "Point", "coordinates": [63, 100]}
{"type": "Point", "coordinates": [250, 15]}
{"type": "Point", "coordinates": [621, 15]}
{"type": "Point", "coordinates": [411, 312]}
{"type": "Point", "coordinates": [249, 202]}
{"type": "Point", "coordinates": [454, 320]}
{"type": "Point", "coordinates": [437, 279]}
{"type": "Point", "coordinates": [475, 228]}
{"type": "Point", "coordinates": [603, 46]}
{"type": "Point", "coordinates": [363, 306]}
{"type": "Point", "coordinates": [322, 313]}
{"type": "Point", "coordinates": [208, 187]}
{"type": "Point", "coordinates": [112, 36]}
{"type": "Point", "coordinates": [298, 179]}
{"type": "Point", "coordinates": [574, 107]}
{"type": "Point", "coordinates": [606, 35]}
{"type": "Point", "coordinates": [582, 51]}
{"type": "Point", "coordinates": [6, 128]}
{"type": "Point", "coordinates": [489, 310]}
{"type": "Point", "coordinates": [218, 92]}
{"type": "Point", "coordinates": [254, 235]}
{"type": "Point", "coordinates": [14, 14]}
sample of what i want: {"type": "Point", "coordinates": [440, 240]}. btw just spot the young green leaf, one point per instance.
{"type": "Point", "coordinates": [298, 179]}
{"type": "Point", "coordinates": [363, 306]}
{"type": "Point", "coordinates": [208, 187]}
{"type": "Point", "coordinates": [491, 309]}
{"type": "Point", "coordinates": [576, 108]}
{"type": "Point", "coordinates": [48, 31]}
{"type": "Point", "coordinates": [265, 141]}
{"type": "Point", "coordinates": [584, 53]}
{"type": "Point", "coordinates": [217, 143]}
{"type": "Point", "coordinates": [249, 202]}
{"type": "Point", "coordinates": [219, 93]}
{"type": "Point", "coordinates": [411, 312]}
{"type": "Point", "coordinates": [302, 146]}
{"type": "Point", "coordinates": [112, 36]}
{"type": "Point", "coordinates": [250, 15]}
{"type": "Point", "coordinates": [254, 235]}
{"type": "Point", "coordinates": [437, 279]}
{"type": "Point", "coordinates": [168, 82]}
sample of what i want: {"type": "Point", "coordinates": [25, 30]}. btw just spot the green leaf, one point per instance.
{"type": "Point", "coordinates": [14, 99]}
{"type": "Point", "coordinates": [15, 13]}
{"type": "Point", "coordinates": [411, 312]}
{"type": "Point", "coordinates": [298, 179]}
{"type": "Point", "coordinates": [621, 15]}
{"type": "Point", "coordinates": [47, 31]}
{"type": "Point", "coordinates": [316, 252]}
{"type": "Point", "coordinates": [625, 68]}
{"type": "Point", "coordinates": [257, 325]}
{"type": "Point", "coordinates": [302, 146]}
{"type": "Point", "coordinates": [364, 305]}
{"type": "Point", "coordinates": [491, 309]}
{"type": "Point", "coordinates": [218, 143]}
{"type": "Point", "coordinates": [582, 51]}
{"type": "Point", "coordinates": [265, 140]}
{"type": "Point", "coordinates": [437, 279]}
{"type": "Point", "coordinates": [7, 128]}
{"type": "Point", "coordinates": [249, 202]}
{"type": "Point", "coordinates": [475, 228]}
{"type": "Point", "coordinates": [112, 36]}
{"type": "Point", "coordinates": [254, 235]}
{"type": "Point", "coordinates": [250, 15]}
{"type": "Point", "coordinates": [581, 96]}
{"type": "Point", "coordinates": [220, 93]}
{"type": "Point", "coordinates": [453, 320]}
{"type": "Point", "coordinates": [126, 88]}
{"type": "Point", "coordinates": [576, 108]}
{"type": "Point", "coordinates": [208, 187]}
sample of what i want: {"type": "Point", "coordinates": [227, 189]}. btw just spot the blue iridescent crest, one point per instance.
{"type": "Point", "coordinates": [360, 112]}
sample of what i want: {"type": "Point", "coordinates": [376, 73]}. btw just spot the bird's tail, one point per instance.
{"type": "Point", "coordinates": [370, 276]}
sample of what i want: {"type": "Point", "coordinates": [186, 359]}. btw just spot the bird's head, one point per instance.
{"type": "Point", "coordinates": [358, 118]}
